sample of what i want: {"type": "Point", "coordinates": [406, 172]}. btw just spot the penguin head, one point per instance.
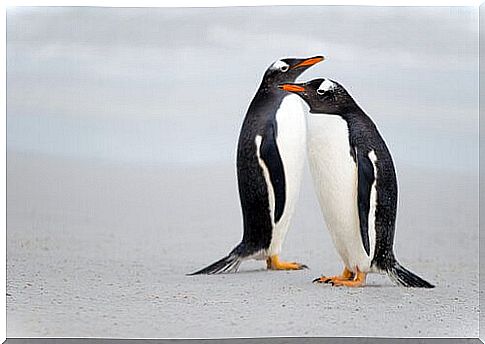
{"type": "Point", "coordinates": [287, 70]}
{"type": "Point", "coordinates": [323, 96]}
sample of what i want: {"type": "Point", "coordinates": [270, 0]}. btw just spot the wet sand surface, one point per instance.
{"type": "Point", "coordinates": [101, 250]}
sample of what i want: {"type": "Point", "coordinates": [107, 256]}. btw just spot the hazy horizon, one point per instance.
{"type": "Point", "coordinates": [168, 86]}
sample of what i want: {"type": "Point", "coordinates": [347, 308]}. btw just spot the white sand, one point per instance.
{"type": "Point", "coordinates": [102, 250]}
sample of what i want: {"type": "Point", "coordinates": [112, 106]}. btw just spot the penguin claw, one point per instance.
{"type": "Point", "coordinates": [322, 279]}
{"type": "Point", "coordinates": [334, 281]}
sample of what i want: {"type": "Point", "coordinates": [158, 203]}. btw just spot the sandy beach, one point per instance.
{"type": "Point", "coordinates": [97, 249]}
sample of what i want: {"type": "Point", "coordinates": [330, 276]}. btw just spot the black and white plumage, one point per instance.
{"type": "Point", "coordinates": [356, 184]}
{"type": "Point", "coordinates": [270, 158]}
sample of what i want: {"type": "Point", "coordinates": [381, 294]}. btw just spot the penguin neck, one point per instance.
{"type": "Point", "coordinates": [267, 92]}
{"type": "Point", "coordinates": [351, 111]}
{"type": "Point", "coordinates": [266, 97]}
{"type": "Point", "coordinates": [268, 88]}
{"type": "Point", "coordinates": [270, 84]}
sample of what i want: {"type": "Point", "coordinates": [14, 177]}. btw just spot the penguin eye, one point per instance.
{"type": "Point", "coordinates": [284, 68]}
{"type": "Point", "coordinates": [320, 91]}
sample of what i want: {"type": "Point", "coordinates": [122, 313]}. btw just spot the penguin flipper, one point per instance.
{"type": "Point", "coordinates": [365, 172]}
{"type": "Point", "coordinates": [272, 159]}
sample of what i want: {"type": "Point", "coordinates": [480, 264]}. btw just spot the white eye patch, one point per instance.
{"type": "Point", "coordinates": [280, 65]}
{"type": "Point", "coordinates": [326, 86]}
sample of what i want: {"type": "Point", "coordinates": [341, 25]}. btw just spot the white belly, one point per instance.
{"type": "Point", "coordinates": [335, 178]}
{"type": "Point", "coordinates": [291, 140]}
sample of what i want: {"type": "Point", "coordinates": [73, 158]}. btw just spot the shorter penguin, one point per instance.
{"type": "Point", "coordinates": [356, 184]}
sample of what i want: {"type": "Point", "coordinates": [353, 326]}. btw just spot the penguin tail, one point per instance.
{"type": "Point", "coordinates": [403, 277]}
{"type": "Point", "coordinates": [230, 263]}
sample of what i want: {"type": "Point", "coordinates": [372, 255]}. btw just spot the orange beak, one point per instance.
{"type": "Point", "coordinates": [309, 62]}
{"type": "Point", "coordinates": [291, 88]}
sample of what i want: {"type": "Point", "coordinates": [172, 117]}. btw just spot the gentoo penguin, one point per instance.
{"type": "Point", "coordinates": [356, 185]}
{"type": "Point", "coordinates": [270, 157]}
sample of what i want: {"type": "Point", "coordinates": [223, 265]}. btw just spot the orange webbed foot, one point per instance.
{"type": "Point", "coordinates": [347, 279]}
{"type": "Point", "coordinates": [274, 263]}
{"type": "Point", "coordinates": [346, 275]}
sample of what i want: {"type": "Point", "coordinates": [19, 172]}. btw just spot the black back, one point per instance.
{"type": "Point", "coordinates": [364, 138]}
{"type": "Point", "coordinates": [253, 191]}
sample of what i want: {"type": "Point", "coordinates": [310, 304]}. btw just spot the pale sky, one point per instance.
{"type": "Point", "coordinates": [163, 86]}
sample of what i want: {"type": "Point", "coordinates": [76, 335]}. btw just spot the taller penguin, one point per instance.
{"type": "Point", "coordinates": [270, 158]}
